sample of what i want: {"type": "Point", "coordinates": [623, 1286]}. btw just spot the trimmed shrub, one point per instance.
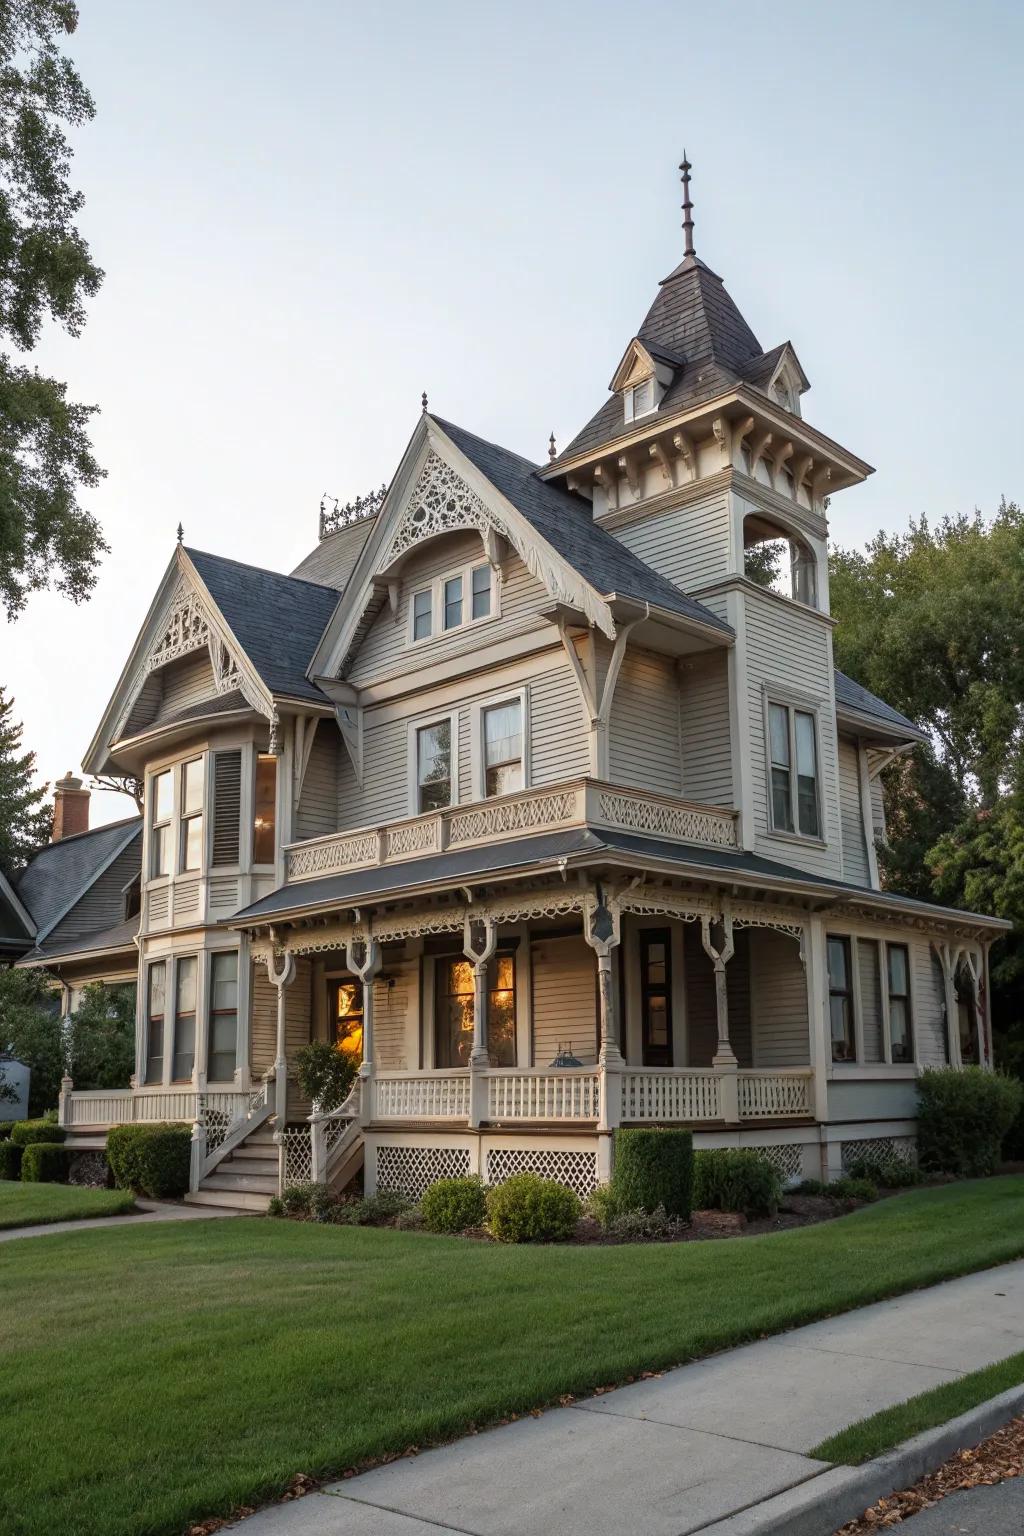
{"type": "Point", "coordinates": [151, 1158]}
{"type": "Point", "coordinates": [736, 1179]}
{"type": "Point", "coordinates": [10, 1160]}
{"type": "Point", "coordinates": [962, 1118]}
{"type": "Point", "coordinates": [297, 1199]}
{"type": "Point", "coordinates": [600, 1206]}
{"type": "Point", "coordinates": [452, 1205]}
{"type": "Point", "coordinates": [276, 1206]}
{"type": "Point", "coordinates": [886, 1172]}
{"type": "Point", "coordinates": [6, 1127]}
{"type": "Point", "coordinates": [652, 1168]}
{"type": "Point", "coordinates": [25, 1132]}
{"type": "Point", "coordinates": [655, 1226]}
{"type": "Point", "coordinates": [852, 1189]}
{"type": "Point", "coordinates": [381, 1210]}
{"type": "Point", "coordinates": [529, 1209]}
{"type": "Point", "coordinates": [325, 1074]}
{"type": "Point", "coordinates": [44, 1162]}
{"type": "Point", "coordinates": [809, 1187]}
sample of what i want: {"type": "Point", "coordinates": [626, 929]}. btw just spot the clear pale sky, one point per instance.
{"type": "Point", "coordinates": [310, 212]}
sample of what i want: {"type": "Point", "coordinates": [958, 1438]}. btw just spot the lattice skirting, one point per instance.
{"type": "Point", "coordinates": [298, 1155]}
{"type": "Point", "coordinates": [578, 1170]}
{"type": "Point", "coordinates": [884, 1148]}
{"type": "Point", "coordinates": [409, 1170]}
{"type": "Point", "coordinates": [787, 1157]}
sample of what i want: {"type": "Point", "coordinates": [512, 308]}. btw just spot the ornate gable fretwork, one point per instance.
{"type": "Point", "coordinates": [187, 629]}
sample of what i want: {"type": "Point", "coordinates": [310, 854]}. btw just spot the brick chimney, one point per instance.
{"type": "Point", "coordinates": [70, 808]}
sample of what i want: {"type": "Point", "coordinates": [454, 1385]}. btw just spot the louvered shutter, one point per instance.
{"type": "Point", "coordinates": [227, 807]}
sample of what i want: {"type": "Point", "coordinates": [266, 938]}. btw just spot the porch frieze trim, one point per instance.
{"type": "Point", "coordinates": [648, 901]}
{"type": "Point", "coordinates": [747, 915]}
{"type": "Point", "coordinates": [943, 928]}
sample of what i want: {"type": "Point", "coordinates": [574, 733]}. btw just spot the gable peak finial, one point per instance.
{"type": "Point", "coordinates": [552, 450]}
{"type": "Point", "coordinates": [423, 402]}
{"type": "Point", "coordinates": [684, 170]}
{"type": "Point", "coordinates": [181, 533]}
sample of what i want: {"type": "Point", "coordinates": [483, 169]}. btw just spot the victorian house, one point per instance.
{"type": "Point", "coordinates": [534, 787]}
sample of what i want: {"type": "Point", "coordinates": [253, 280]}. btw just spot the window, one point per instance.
{"type": "Point", "coordinates": [163, 794]}
{"type": "Point", "coordinates": [223, 1017]}
{"type": "Point", "coordinates": [640, 399]}
{"type": "Point", "coordinates": [656, 996]}
{"type": "Point", "coordinates": [434, 766]}
{"type": "Point", "coordinates": [503, 747]}
{"type": "Point", "coordinates": [453, 1010]}
{"type": "Point", "coordinates": [184, 1020]}
{"type": "Point", "coordinates": [453, 602]}
{"type": "Point", "coordinates": [793, 766]}
{"type": "Point", "coordinates": [480, 580]}
{"type": "Point", "coordinates": [347, 1017]}
{"type": "Point", "coordinates": [901, 1038]}
{"type": "Point", "coordinates": [191, 856]}
{"type": "Point", "coordinates": [422, 614]}
{"type": "Point", "coordinates": [156, 1000]}
{"type": "Point", "coordinates": [264, 810]}
{"type": "Point", "coordinates": [840, 1000]}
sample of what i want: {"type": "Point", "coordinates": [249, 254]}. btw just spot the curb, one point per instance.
{"type": "Point", "coordinates": [830, 1498]}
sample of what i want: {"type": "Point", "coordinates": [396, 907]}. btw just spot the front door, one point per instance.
{"type": "Point", "coordinates": [656, 996]}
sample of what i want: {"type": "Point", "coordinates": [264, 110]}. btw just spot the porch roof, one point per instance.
{"type": "Point", "coordinates": [577, 848]}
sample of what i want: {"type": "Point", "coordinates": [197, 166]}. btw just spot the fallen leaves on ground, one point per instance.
{"type": "Point", "coordinates": [999, 1457]}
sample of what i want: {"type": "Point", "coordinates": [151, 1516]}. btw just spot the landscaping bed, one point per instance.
{"type": "Point", "coordinates": [29, 1205]}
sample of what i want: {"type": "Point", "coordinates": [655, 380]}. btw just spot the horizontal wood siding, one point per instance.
{"type": "Point", "coordinates": [870, 978]}
{"type": "Point", "coordinates": [778, 988]}
{"type": "Point", "coordinates": [263, 1021]}
{"type": "Point", "coordinates": [644, 726]}
{"type": "Point", "coordinates": [855, 855]}
{"type": "Point", "coordinates": [878, 809]}
{"type": "Point", "coordinates": [382, 796]}
{"type": "Point", "coordinates": [186, 682]}
{"type": "Point", "coordinates": [704, 729]}
{"type": "Point", "coordinates": [146, 706]}
{"type": "Point", "coordinates": [395, 1045]}
{"type": "Point", "coordinates": [558, 729]}
{"type": "Point", "coordinates": [790, 651]}
{"type": "Point", "coordinates": [928, 1005]}
{"type": "Point", "coordinates": [564, 998]}
{"type": "Point", "coordinates": [689, 545]}
{"type": "Point", "coordinates": [317, 812]}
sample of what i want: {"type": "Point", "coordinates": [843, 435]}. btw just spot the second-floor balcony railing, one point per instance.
{"type": "Point", "coordinates": [548, 808]}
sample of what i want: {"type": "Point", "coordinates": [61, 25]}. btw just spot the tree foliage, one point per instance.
{"type": "Point", "coordinates": [30, 1028]}
{"type": "Point", "coordinates": [100, 1043]}
{"type": "Point", "coordinates": [46, 272]}
{"type": "Point", "coordinates": [26, 816]}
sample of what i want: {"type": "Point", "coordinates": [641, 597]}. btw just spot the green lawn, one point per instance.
{"type": "Point", "coordinates": [156, 1374]}
{"type": "Point", "coordinates": [24, 1205]}
{"type": "Point", "coordinates": [891, 1426]}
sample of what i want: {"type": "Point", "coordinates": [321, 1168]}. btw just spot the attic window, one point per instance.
{"type": "Point", "coordinates": [639, 400]}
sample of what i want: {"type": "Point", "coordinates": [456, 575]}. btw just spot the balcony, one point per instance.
{"type": "Point", "coordinates": [550, 808]}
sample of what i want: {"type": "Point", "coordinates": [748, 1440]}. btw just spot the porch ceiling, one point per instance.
{"type": "Point", "coordinates": [576, 848]}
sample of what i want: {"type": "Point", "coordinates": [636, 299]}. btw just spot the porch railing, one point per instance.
{"type": "Point", "coordinates": [775, 1095]}
{"type": "Point", "coordinates": [667, 1094]}
{"type": "Point", "coordinates": [102, 1108]}
{"type": "Point", "coordinates": [572, 1095]}
{"type": "Point", "coordinates": [573, 802]}
{"type": "Point", "coordinates": [421, 1096]}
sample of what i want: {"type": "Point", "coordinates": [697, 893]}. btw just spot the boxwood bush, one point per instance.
{"type": "Point", "coordinates": [10, 1159]}
{"type": "Point", "coordinates": [736, 1179]}
{"type": "Point", "coordinates": [452, 1205]}
{"type": "Point", "coordinates": [25, 1132]}
{"type": "Point", "coordinates": [529, 1209]}
{"type": "Point", "coordinates": [652, 1168]}
{"type": "Point", "coordinates": [44, 1162]}
{"type": "Point", "coordinates": [151, 1158]}
{"type": "Point", "coordinates": [962, 1118]}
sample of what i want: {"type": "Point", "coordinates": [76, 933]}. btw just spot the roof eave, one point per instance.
{"type": "Point", "coordinates": [865, 724]}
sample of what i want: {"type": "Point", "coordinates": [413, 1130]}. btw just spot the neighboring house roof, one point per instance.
{"type": "Point", "coordinates": [62, 873]}
{"type": "Point", "coordinates": [120, 937]}
{"type": "Point", "coordinates": [857, 699]}
{"type": "Point", "coordinates": [546, 852]}
{"type": "Point", "coordinates": [17, 928]}
{"type": "Point", "coordinates": [277, 620]}
{"type": "Point", "coordinates": [567, 523]}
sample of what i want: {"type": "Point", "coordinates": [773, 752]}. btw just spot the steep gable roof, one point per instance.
{"type": "Point", "coordinates": [16, 926]}
{"type": "Point", "coordinates": [61, 873]}
{"type": "Point", "coordinates": [856, 698]}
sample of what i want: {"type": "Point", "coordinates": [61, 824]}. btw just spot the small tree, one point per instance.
{"type": "Point", "coordinates": [101, 1038]}
{"type": "Point", "coordinates": [30, 1028]}
{"type": "Point", "coordinates": [325, 1074]}
{"type": "Point", "coordinates": [26, 816]}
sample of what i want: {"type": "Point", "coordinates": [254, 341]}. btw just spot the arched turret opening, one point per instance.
{"type": "Point", "coordinates": [779, 559]}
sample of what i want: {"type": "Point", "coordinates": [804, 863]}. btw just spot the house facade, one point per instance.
{"type": "Point", "coordinates": [535, 788]}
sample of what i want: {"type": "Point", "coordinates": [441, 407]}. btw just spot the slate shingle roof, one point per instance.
{"type": "Point", "coordinates": [278, 620]}
{"type": "Point", "coordinates": [120, 936]}
{"type": "Point", "coordinates": [61, 873]}
{"type": "Point", "coordinates": [692, 318]}
{"type": "Point", "coordinates": [851, 695]}
{"type": "Point", "coordinates": [567, 523]}
{"type": "Point", "coordinates": [223, 704]}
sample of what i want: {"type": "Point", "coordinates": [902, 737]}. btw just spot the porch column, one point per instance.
{"type": "Point", "coordinates": [64, 1101]}
{"type": "Point", "coordinates": [281, 970]}
{"type": "Point", "coordinates": [364, 959]}
{"type": "Point", "coordinates": [947, 957]}
{"type": "Point", "coordinates": [479, 941]}
{"type": "Point", "coordinates": [815, 962]}
{"type": "Point", "coordinates": [724, 1060]}
{"type": "Point", "coordinates": [602, 930]}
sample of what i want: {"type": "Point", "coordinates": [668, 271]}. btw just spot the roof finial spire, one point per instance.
{"type": "Point", "coordinates": [552, 450]}
{"type": "Point", "coordinates": [687, 206]}
{"type": "Point", "coordinates": [423, 402]}
{"type": "Point", "coordinates": [181, 533]}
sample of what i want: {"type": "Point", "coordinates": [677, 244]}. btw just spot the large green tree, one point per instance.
{"type": "Point", "coordinates": [26, 816]}
{"type": "Point", "coordinates": [46, 272]}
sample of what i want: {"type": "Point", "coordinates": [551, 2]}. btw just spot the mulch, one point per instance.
{"type": "Point", "coordinates": [995, 1460]}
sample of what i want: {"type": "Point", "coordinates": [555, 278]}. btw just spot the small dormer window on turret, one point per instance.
{"type": "Point", "coordinates": [640, 400]}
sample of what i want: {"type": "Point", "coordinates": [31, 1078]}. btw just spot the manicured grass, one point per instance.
{"type": "Point", "coordinates": [154, 1375]}
{"type": "Point", "coordinates": [891, 1426]}
{"type": "Point", "coordinates": [25, 1205]}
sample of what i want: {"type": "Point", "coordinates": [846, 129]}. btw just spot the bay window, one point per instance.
{"type": "Point", "coordinates": [156, 1004]}
{"type": "Point", "coordinates": [184, 1056]}
{"type": "Point", "coordinates": [191, 814]}
{"type": "Point", "coordinates": [162, 791]}
{"type": "Point", "coordinates": [223, 1017]}
{"type": "Point", "coordinates": [793, 770]}
{"type": "Point", "coordinates": [264, 821]}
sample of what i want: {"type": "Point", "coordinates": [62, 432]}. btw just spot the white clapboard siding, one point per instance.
{"type": "Point", "coordinates": [383, 795]}
{"type": "Point", "coordinates": [878, 809]}
{"type": "Point", "coordinates": [395, 1015]}
{"type": "Point", "coordinates": [263, 1018]}
{"type": "Point", "coordinates": [704, 729]}
{"type": "Point", "coordinates": [928, 1005]}
{"type": "Point", "coordinates": [564, 999]}
{"type": "Point", "coordinates": [689, 545]}
{"type": "Point", "coordinates": [331, 562]}
{"type": "Point", "coordinates": [558, 730]}
{"type": "Point", "coordinates": [146, 707]}
{"type": "Point", "coordinates": [778, 988]}
{"type": "Point", "coordinates": [791, 651]}
{"type": "Point", "coordinates": [855, 854]}
{"type": "Point", "coordinates": [186, 682]}
{"type": "Point", "coordinates": [317, 812]}
{"type": "Point", "coordinates": [870, 978]}
{"type": "Point", "coordinates": [644, 726]}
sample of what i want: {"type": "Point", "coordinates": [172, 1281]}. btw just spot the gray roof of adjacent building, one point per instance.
{"type": "Point", "coordinates": [62, 873]}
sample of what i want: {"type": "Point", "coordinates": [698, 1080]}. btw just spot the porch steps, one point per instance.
{"type": "Point", "coordinates": [233, 1201]}
{"type": "Point", "coordinates": [246, 1180]}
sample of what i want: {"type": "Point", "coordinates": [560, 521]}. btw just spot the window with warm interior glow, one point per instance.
{"type": "Point", "coordinates": [453, 1010]}
{"type": "Point", "coordinates": [264, 818]}
{"type": "Point", "coordinates": [656, 996]}
{"type": "Point", "coordinates": [347, 1017]}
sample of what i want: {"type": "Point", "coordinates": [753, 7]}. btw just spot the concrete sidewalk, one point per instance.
{"type": "Point", "coordinates": [687, 1450]}
{"type": "Point", "coordinates": [148, 1210]}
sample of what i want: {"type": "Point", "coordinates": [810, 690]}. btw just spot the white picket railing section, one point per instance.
{"type": "Point", "coordinates": [543, 1095]}
{"type": "Point", "coordinates": [775, 1095]}
{"type": "Point", "coordinates": [668, 1094]}
{"type": "Point", "coordinates": [422, 1096]}
{"type": "Point", "coordinates": [102, 1108]}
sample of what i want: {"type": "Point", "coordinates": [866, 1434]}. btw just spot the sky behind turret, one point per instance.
{"type": "Point", "coordinates": [310, 213]}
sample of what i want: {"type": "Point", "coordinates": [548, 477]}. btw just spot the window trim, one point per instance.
{"type": "Point", "coordinates": [645, 937]}
{"type": "Point", "coordinates": [630, 413]}
{"type": "Point", "coordinates": [167, 821]}
{"type": "Point", "coordinates": [421, 722]}
{"type": "Point", "coordinates": [794, 704]}
{"type": "Point", "coordinates": [905, 997]}
{"type": "Point", "coordinates": [436, 588]}
{"type": "Point", "coordinates": [147, 1082]}
{"type": "Point", "coordinates": [477, 754]}
{"type": "Point", "coordinates": [437, 971]}
{"type": "Point", "coordinates": [209, 1011]}
{"type": "Point", "coordinates": [254, 863]}
{"type": "Point", "coordinates": [185, 818]}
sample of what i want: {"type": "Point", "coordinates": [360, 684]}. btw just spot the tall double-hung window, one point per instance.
{"type": "Point", "coordinates": [502, 731]}
{"type": "Point", "coordinates": [162, 794]}
{"type": "Point", "coordinates": [434, 766]}
{"type": "Point", "coordinates": [191, 814]}
{"type": "Point", "coordinates": [793, 770]}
